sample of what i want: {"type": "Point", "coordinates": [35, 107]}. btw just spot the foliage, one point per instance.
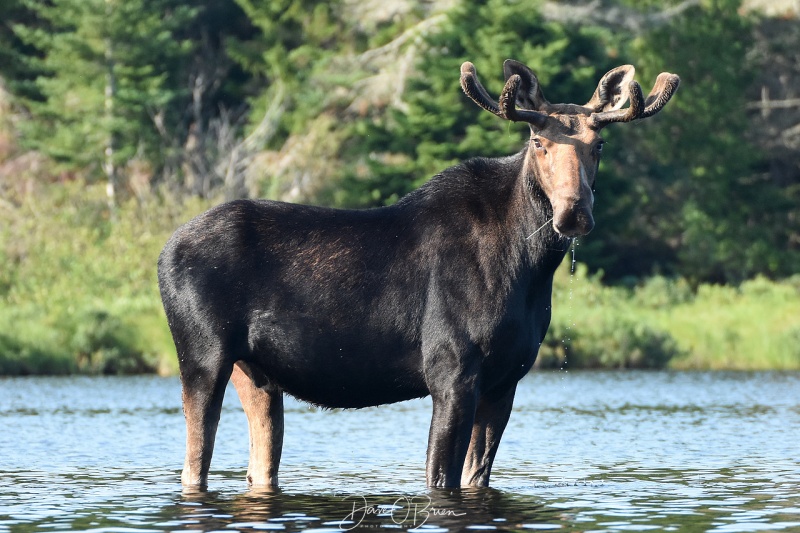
{"type": "Point", "coordinates": [79, 292]}
{"type": "Point", "coordinates": [111, 88]}
{"type": "Point", "coordinates": [439, 126]}
{"type": "Point", "coordinates": [688, 193]}
{"type": "Point", "coordinates": [662, 323]}
{"type": "Point", "coordinates": [108, 68]}
{"type": "Point", "coordinates": [692, 200]}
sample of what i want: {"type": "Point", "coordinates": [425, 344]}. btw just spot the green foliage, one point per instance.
{"type": "Point", "coordinates": [682, 193]}
{"type": "Point", "coordinates": [683, 199]}
{"type": "Point", "coordinates": [16, 63]}
{"type": "Point", "coordinates": [686, 193]}
{"type": "Point", "coordinates": [296, 39]}
{"type": "Point", "coordinates": [663, 323]}
{"type": "Point", "coordinates": [81, 294]}
{"type": "Point", "coordinates": [103, 344]}
{"type": "Point", "coordinates": [106, 68]}
{"type": "Point", "coordinates": [601, 327]}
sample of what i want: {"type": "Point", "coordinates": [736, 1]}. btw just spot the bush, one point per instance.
{"type": "Point", "coordinates": [663, 322]}
{"type": "Point", "coordinates": [19, 359]}
{"type": "Point", "coordinates": [78, 292]}
{"type": "Point", "coordinates": [614, 342]}
{"type": "Point", "coordinates": [103, 344]}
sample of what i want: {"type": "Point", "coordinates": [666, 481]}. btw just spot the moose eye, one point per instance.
{"type": "Point", "coordinates": [599, 147]}
{"type": "Point", "coordinates": [537, 144]}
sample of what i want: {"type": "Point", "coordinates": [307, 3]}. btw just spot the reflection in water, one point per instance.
{"type": "Point", "coordinates": [583, 451]}
{"type": "Point", "coordinates": [450, 510]}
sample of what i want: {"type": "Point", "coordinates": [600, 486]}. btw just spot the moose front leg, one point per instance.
{"type": "Point", "coordinates": [448, 440]}
{"type": "Point", "coordinates": [491, 418]}
{"type": "Point", "coordinates": [452, 376]}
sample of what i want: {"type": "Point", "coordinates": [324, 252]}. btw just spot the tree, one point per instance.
{"type": "Point", "coordinates": [18, 71]}
{"type": "Point", "coordinates": [107, 68]}
{"type": "Point", "coordinates": [684, 194]}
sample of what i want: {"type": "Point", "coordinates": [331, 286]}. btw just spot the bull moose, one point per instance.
{"type": "Point", "coordinates": [445, 293]}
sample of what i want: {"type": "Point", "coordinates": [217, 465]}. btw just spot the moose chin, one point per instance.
{"type": "Point", "coordinates": [446, 293]}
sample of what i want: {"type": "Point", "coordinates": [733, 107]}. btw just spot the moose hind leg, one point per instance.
{"type": "Point", "coordinates": [203, 392]}
{"type": "Point", "coordinates": [491, 418]}
{"type": "Point", "coordinates": [264, 409]}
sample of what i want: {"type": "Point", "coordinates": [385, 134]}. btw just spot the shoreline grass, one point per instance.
{"type": "Point", "coordinates": [664, 323]}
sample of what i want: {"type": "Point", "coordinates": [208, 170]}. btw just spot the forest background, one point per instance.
{"type": "Point", "coordinates": [121, 119]}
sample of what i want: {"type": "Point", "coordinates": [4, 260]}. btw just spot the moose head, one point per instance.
{"type": "Point", "coordinates": [565, 146]}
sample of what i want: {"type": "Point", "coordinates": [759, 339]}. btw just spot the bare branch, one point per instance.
{"type": "Point", "coordinates": [611, 15]}
{"type": "Point", "coordinates": [774, 104]}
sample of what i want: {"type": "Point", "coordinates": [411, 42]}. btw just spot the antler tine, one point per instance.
{"type": "Point", "coordinates": [633, 112]}
{"type": "Point", "coordinates": [473, 88]}
{"type": "Point", "coordinates": [508, 105]}
{"type": "Point", "coordinates": [665, 86]}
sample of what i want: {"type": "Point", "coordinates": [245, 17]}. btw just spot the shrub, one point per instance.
{"type": "Point", "coordinates": [613, 342]}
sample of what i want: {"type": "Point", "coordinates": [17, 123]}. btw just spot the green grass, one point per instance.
{"type": "Point", "coordinates": [78, 294]}
{"type": "Point", "coordinates": [664, 323]}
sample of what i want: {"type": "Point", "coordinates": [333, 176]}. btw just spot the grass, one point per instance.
{"type": "Point", "coordinates": [78, 294]}
{"type": "Point", "coordinates": [663, 322]}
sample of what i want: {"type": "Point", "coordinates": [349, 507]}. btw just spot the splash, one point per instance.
{"type": "Point", "coordinates": [567, 339]}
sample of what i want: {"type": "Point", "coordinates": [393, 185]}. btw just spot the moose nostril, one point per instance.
{"type": "Point", "coordinates": [566, 231]}
{"type": "Point", "coordinates": [573, 224]}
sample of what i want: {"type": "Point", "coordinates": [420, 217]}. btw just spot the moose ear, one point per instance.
{"type": "Point", "coordinates": [529, 95]}
{"type": "Point", "coordinates": [612, 91]}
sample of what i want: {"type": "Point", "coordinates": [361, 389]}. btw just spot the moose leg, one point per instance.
{"type": "Point", "coordinates": [491, 418]}
{"type": "Point", "coordinates": [264, 409]}
{"type": "Point", "coordinates": [448, 440]}
{"type": "Point", "coordinates": [452, 382]}
{"type": "Point", "coordinates": [203, 392]}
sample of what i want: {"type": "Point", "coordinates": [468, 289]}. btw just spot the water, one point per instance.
{"type": "Point", "coordinates": [583, 452]}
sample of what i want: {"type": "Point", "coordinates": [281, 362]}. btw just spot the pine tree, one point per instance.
{"type": "Point", "coordinates": [17, 60]}
{"type": "Point", "coordinates": [108, 68]}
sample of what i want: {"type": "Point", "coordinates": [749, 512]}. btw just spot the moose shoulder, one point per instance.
{"type": "Point", "coordinates": [446, 293]}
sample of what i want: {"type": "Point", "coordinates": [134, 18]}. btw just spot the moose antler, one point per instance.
{"type": "Point", "coordinates": [665, 86]}
{"type": "Point", "coordinates": [506, 108]}
{"type": "Point", "coordinates": [473, 88]}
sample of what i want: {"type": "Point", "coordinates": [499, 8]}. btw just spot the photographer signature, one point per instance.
{"type": "Point", "coordinates": [413, 511]}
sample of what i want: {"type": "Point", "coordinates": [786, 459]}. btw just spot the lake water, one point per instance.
{"type": "Point", "coordinates": [583, 452]}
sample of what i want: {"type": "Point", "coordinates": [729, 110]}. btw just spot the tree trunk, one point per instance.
{"type": "Point", "coordinates": [109, 166]}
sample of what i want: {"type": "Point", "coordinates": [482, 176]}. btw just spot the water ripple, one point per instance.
{"type": "Point", "coordinates": [587, 451]}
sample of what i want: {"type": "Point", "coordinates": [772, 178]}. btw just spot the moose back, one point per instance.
{"type": "Point", "coordinates": [446, 293]}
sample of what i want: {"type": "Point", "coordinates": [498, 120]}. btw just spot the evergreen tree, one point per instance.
{"type": "Point", "coordinates": [683, 194]}
{"type": "Point", "coordinates": [108, 71]}
{"type": "Point", "coordinates": [17, 59]}
{"type": "Point", "coordinates": [296, 39]}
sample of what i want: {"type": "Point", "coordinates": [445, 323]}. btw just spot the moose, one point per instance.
{"type": "Point", "coordinates": [445, 293]}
